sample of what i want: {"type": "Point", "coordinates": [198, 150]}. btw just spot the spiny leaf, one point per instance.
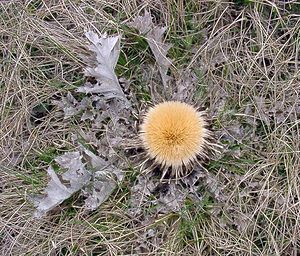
{"type": "Point", "coordinates": [155, 39]}
{"type": "Point", "coordinates": [107, 51]}
{"type": "Point", "coordinates": [60, 189]}
{"type": "Point", "coordinates": [96, 183]}
{"type": "Point", "coordinates": [105, 179]}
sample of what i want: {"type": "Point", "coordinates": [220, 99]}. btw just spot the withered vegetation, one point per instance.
{"type": "Point", "coordinates": [238, 61]}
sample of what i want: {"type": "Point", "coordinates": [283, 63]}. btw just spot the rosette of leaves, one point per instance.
{"type": "Point", "coordinates": [173, 134]}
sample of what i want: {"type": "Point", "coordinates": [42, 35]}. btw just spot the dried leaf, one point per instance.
{"type": "Point", "coordinates": [173, 199]}
{"type": "Point", "coordinates": [99, 177]}
{"type": "Point", "coordinates": [104, 181]}
{"type": "Point", "coordinates": [218, 98]}
{"type": "Point", "coordinates": [99, 191]}
{"type": "Point", "coordinates": [88, 115]}
{"type": "Point", "coordinates": [60, 189]}
{"type": "Point", "coordinates": [97, 184]}
{"type": "Point", "coordinates": [167, 197]}
{"type": "Point", "coordinates": [107, 50]}
{"type": "Point", "coordinates": [141, 193]}
{"type": "Point", "coordinates": [185, 86]}
{"type": "Point", "coordinates": [215, 188]}
{"type": "Point", "coordinates": [149, 239]}
{"type": "Point", "coordinates": [154, 37]}
{"type": "Point", "coordinates": [232, 133]}
{"type": "Point", "coordinates": [69, 105]}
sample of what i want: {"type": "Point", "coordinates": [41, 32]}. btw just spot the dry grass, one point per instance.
{"type": "Point", "coordinates": [246, 57]}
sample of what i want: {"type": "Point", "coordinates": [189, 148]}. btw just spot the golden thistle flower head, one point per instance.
{"type": "Point", "coordinates": [173, 134]}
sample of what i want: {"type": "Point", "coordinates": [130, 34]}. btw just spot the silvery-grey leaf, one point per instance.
{"type": "Point", "coordinates": [60, 189]}
{"type": "Point", "coordinates": [70, 161]}
{"type": "Point", "coordinates": [185, 85]}
{"type": "Point", "coordinates": [69, 105]}
{"type": "Point", "coordinates": [105, 178]}
{"type": "Point", "coordinates": [100, 190]}
{"type": "Point", "coordinates": [97, 162]}
{"type": "Point", "coordinates": [173, 199]}
{"type": "Point", "coordinates": [106, 50]}
{"type": "Point", "coordinates": [103, 166]}
{"type": "Point", "coordinates": [88, 115]}
{"type": "Point", "coordinates": [155, 39]}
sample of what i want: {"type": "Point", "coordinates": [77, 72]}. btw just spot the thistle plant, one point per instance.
{"type": "Point", "coordinates": [175, 136]}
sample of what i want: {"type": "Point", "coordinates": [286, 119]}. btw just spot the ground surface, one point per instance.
{"type": "Point", "coordinates": [245, 59]}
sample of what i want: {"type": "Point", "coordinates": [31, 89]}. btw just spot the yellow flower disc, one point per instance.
{"type": "Point", "coordinates": [173, 133]}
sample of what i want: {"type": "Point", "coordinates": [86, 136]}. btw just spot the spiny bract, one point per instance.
{"type": "Point", "coordinates": [173, 134]}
